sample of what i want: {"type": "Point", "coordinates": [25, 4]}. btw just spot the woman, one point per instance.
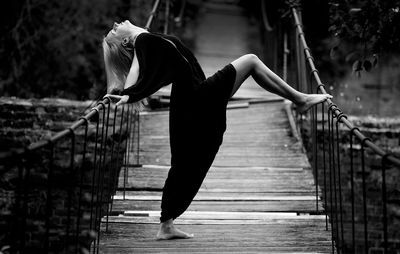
{"type": "Point", "coordinates": [138, 63]}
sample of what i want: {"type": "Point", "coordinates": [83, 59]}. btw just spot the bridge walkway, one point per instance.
{"type": "Point", "coordinates": [259, 195]}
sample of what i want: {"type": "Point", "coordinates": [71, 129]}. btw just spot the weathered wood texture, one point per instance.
{"type": "Point", "coordinates": [259, 195]}
{"type": "Point", "coordinates": [259, 135]}
{"type": "Point", "coordinates": [255, 204]}
{"type": "Point", "coordinates": [274, 237]}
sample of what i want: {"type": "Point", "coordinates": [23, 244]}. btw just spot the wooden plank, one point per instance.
{"type": "Point", "coordinates": [234, 160]}
{"type": "Point", "coordinates": [257, 179]}
{"type": "Point", "coordinates": [212, 238]}
{"type": "Point", "coordinates": [224, 249]}
{"type": "Point", "coordinates": [226, 172]}
{"type": "Point", "coordinates": [234, 206]}
{"type": "Point", "coordinates": [210, 221]}
{"type": "Point", "coordinates": [211, 193]}
{"type": "Point", "coordinates": [270, 186]}
{"type": "Point", "coordinates": [142, 231]}
{"type": "Point", "coordinates": [203, 197]}
{"type": "Point", "coordinates": [213, 215]}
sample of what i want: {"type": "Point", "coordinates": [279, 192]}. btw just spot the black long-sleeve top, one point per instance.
{"type": "Point", "coordinates": [197, 105]}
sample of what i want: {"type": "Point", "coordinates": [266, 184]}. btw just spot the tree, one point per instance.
{"type": "Point", "coordinates": [53, 48]}
{"type": "Point", "coordinates": [370, 25]}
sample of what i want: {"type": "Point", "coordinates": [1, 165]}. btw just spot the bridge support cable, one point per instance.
{"type": "Point", "coordinates": [333, 160]}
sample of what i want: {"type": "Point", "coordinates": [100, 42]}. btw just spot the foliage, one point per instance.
{"type": "Point", "coordinates": [370, 25]}
{"type": "Point", "coordinates": [53, 48]}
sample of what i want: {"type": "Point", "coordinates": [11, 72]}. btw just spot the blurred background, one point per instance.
{"type": "Point", "coordinates": [53, 48]}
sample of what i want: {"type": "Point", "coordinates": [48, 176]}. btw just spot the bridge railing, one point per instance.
{"type": "Point", "coordinates": [61, 189]}
{"type": "Point", "coordinates": [351, 171]}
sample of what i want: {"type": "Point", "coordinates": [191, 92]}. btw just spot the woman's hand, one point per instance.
{"type": "Point", "coordinates": [122, 99]}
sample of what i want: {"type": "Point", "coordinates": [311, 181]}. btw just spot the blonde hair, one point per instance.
{"type": "Point", "coordinates": [118, 52]}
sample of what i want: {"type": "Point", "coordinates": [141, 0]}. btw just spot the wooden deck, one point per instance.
{"type": "Point", "coordinates": [259, 194]}
{"type": "Point", "coordinates": [257, 198]}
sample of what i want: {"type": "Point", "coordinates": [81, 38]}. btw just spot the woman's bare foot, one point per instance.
{"type": "Point", "coordinates": [310, 100]}
{"type": "Point", "coordinates": [168, 231]}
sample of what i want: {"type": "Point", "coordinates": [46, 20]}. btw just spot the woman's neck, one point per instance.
{"type": "Point", "coordinates": [138, 30]}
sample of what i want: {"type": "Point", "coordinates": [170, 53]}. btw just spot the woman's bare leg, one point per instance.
{"type": "Point", "coordinates": [168, 231]}
{"type": "Point", "coordinates": [251, 65]}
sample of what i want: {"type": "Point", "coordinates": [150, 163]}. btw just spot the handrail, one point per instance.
{"type": "Point", "coordinates": [335, 109]}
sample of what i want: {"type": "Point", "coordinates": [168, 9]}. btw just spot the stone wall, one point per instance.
{"type": "Point", "coordinates": [386, 134]}
{"type": "Point", "coordinates": [56, 201]}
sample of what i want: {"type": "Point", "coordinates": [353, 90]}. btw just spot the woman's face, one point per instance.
{"type": "Point", "coordinates": [123, 28]}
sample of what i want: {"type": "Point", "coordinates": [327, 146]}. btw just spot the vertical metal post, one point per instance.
{"type": "Point", "coordinates": [314, 134]}
{"type": "Point", "coordinates": [94, 175]}
{"type": "Point", "coordinates": [25, 208]}
{"type": "Point", "coordinates": [314, 144]}
{"type": "Point", "coordinates": [24, 186]}
{"type": "Point", "coordinates": [119, 143]}
{"type": "Point", "coordinates": [138, 138]}
{"type": "Point", "coordinates": [338, 242]}
{"type": "Point", "coordinates": [48, 198]}
{"type": "Point", "coordinates": [132, 139]}
{"type": "Point", "coordinates": [94, 168]}
{"type": "Point", "coordinates": [130, 136]}
{"type": "Point", "coordinates": [315, 156]}
{"type": "Point", "coordinates": [364, 190]}
{"type": "Point", "coordinates": [330, 178]}
{"type": "Point", "coordinates": [103, 169]}
{"type": "Point", "coordinates": [353, 227]}
{"type": "Point", "coordinates": [126, 154]}
{"type": "Point", "coordinates": [70, 188]}
{"type": "Point", "coordinates": [99, 178]}
{"type": "Point", "coordinates": [80, 177]}
{"type": "Point", "coordinates": [113, 169]}
{"type": "Point", "coordinates": [97, 181]}
{"type": "Point", "coordinates": [324, 164]}
{"type": "Point", "coordinates": [384, 204]}
{"type": "Point", "coordinates": [339, 118]}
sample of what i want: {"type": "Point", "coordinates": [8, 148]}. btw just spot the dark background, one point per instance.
{"type": "Point", "coordinates": [53, 48]}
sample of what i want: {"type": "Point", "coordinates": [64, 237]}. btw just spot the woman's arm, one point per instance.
{"type": "Point", "coordinates": [133, 75]}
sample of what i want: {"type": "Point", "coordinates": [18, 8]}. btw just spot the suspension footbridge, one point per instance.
{"type": "Point", "coordinates": [281, 182]}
